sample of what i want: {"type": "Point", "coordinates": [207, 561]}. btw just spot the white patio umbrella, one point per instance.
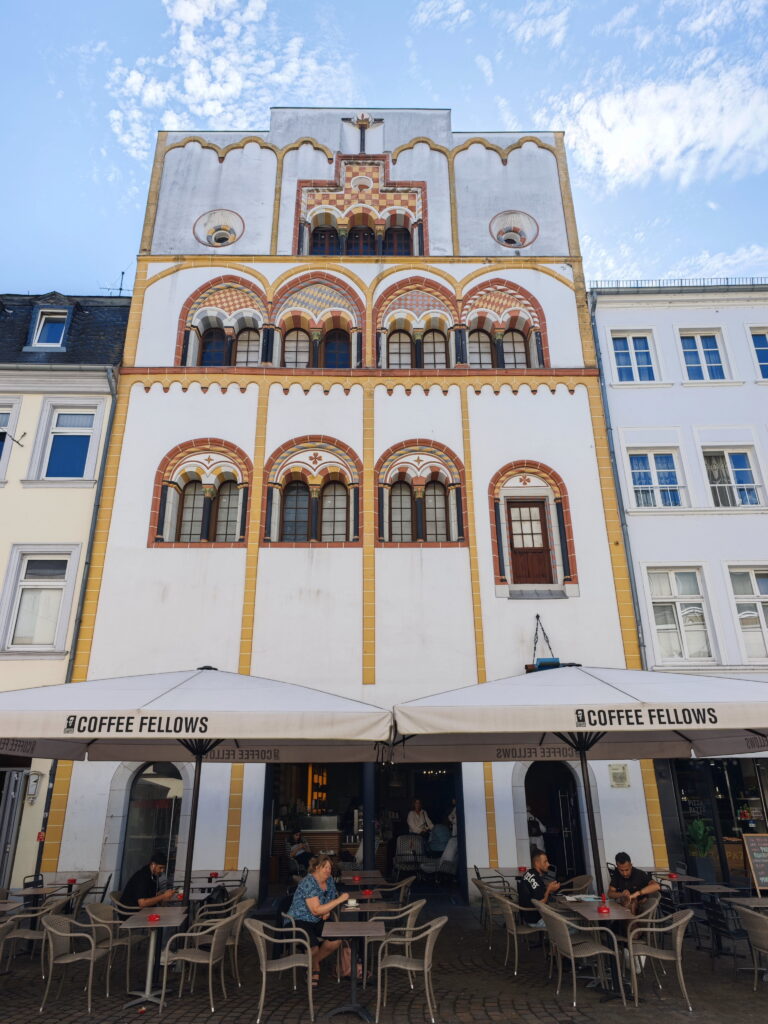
{"type": "Point", "coordinates": [196, 714]}
{"type": "Point", "coordinates": [580, 712]}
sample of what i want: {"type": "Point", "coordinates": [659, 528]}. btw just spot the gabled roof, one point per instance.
{"type": "Point", "coordinates": [95, 332]}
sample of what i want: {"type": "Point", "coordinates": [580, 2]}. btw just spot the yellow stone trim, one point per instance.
{"type": "Point", "coordinates": [530, 264]}
{"type": "Point", "coordinates": [234, 817]}
{"type": "Point", "coordinates": [222, 151]}
{"type": "Point", "coordinates": [477, 619]}
{"type": "Point", "coordinates": [369, 550]}
{"type": "Point", "coordinates": [417, 141]}
{"type": "Point", "coordinates": [56, 817]}
{"type": "Point", "coordinates": [254, 531]}
{"type": "Point", "coordinates": [455, 240]}
{"type": "Point", "coordinates": [653, 809]}
{"type": "Point", "coordinates": [150, 213]}
{"type": "Point", "coordinates": [503, 151]}
{"type": "Point", "coordinates": [220, 257]}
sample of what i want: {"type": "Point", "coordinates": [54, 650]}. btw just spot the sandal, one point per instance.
{"type": "Point", "coordinates": [315, 979]}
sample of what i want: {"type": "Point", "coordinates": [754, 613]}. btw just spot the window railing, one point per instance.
{"type": "Point", "coordinates": [736, 495]}
{"type": "Point", "coordinates": [660, 496]}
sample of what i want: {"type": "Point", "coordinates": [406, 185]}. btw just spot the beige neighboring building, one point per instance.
{"type": "Point", "coordinates": [58, 357]}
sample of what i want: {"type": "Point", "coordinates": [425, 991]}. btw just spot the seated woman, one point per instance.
{"type": "Point", "coordinates": [313, 901]}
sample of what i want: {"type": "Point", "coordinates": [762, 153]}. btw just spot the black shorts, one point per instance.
{"type": "Point", "coordinates": [313, 931]}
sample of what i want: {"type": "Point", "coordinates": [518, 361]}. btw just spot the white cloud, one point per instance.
{"type": "Point", "coordinates": [615, 263]}
{"type": "Point", "coordinates": [746, 261]}
{"type": "Point", "coordinates": [619, 20]}
{"type": "Point", "coordinates": [538, 19]}
{"type": "Point", "coordinates": [486, 68]}
{"type": "Point", "coordinates": [709, 17]}
{"type": "Point", "coordinates": [713, 205]}
{"type": "Point", "coordinates": [448, 13]}
{"type": "Point", "coordinates": [508, 119]}
{"type": "Point", "coordinates": [226, 64]}
{"type": "Point", "coordinates": [712, 124]}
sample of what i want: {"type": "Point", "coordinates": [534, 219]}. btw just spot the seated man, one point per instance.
{"type": "Point", "coordinates": [533, 886]}
{"type": "Point", "coordinates": [141, 890]}
{"type": "Point", "coordinates": [630, 884]}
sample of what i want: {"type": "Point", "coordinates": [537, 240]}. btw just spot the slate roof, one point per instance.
{"type": "Point", "coordinates": [95, 335]}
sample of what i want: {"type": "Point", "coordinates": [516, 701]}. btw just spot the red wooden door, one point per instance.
{"type": "Point", "coordinates": [531, 559]}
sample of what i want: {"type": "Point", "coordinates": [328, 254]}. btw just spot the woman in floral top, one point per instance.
{"type": "Point", "coordinates": [314, 900]}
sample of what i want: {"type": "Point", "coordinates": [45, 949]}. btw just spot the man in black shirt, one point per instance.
{"type": "Point", "coordinates": [141, 890]}
{"type": "Point", "coordinates": [631, 881]}
{"type": "Point", "coordinates": [532, 886]}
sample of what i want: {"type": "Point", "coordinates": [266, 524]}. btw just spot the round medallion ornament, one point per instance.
{"type": "Point", "coordinates": [514, 229]}
{"type": "Point", "coordinates": [218, 228]}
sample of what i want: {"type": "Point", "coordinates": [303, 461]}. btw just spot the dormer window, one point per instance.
{"type": "Point", "coordinates": [50, 327]}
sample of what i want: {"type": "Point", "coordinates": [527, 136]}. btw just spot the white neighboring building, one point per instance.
{"type": "Point", "coordinates": [58, 377]}
{"type": "Point", "coordinates": [360, 447]}
{"type": "Point", "coordinates": [686, 378]}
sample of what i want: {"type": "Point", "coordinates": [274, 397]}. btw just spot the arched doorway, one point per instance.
{"type": "Point", "coordinates": [554, 822]}
{"type": "Point", "coordinates": [152, 821]}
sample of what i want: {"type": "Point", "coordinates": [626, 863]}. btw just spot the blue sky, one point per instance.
{"type": "Point", "coordinates": [664, 104]}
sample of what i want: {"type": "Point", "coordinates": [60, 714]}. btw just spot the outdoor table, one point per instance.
{"type": "Point", "coordinates": [8, 906]}
{"type": "Point", "coordinates": [711, 890]}
{"type": "Point", "coordinates": [353, 930]}
{"type": "Point", "coordinates": [373, 906]}
{"type": "Point", "coordinates": [169, 917]}
{"type": "Point", "coordinates": [364, 878]}
{"type": "Point", "coordinates": [588, 910]}
{"type": "Point", "coordinates": [43, 890]}
{"type": "Point", "coordinates": [752, 902]}
{"type": "Point", "coordinates": [663, 876]}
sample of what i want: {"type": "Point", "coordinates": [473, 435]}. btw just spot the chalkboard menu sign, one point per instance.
{"type": "Point", "coordinates": [757, 853]}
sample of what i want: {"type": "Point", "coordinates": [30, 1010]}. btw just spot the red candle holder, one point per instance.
{"type": "Point", "coordinates": [367, 892]}
{"type": "Point", "coordinates": [522, 869]}
{"type": "Point", "coordinates": [214, 874]}
{"type": "Point", "coordinates": [153, 917]}
{"type": "Point", "coordinates": [71, 881]}
{"type": "Point", "coordinates": [672, 874]}
{"type": "Point", "coordinates": [179, 895]}
{"type": "Point", "coordinates": [355, 878]}
{"type": "Point", "coordinates": [603, 909]}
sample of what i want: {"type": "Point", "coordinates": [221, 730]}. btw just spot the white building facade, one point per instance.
{"type": "Point", "coordinates": [58, 379]}
{"type": "Point", "coordinates": [359, 446]}
{"type": "Point", "coordinates": [686, 370]}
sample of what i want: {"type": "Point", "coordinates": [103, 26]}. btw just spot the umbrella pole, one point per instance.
{"type": "Point", "coordinates": [369, 816]}
{"type": "Point", "coordinates": [591, 820]}
{"type": "Point", "coordinates": [192, 825]}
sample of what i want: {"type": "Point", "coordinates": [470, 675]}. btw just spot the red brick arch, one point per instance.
{"type": "Point", "coordinates": [502, 284]}
{"type": "Point", "coordinates": [409, 284]}
{"type": "Point", "coordinates": [172, 459]}
{"type": "Point", "coordinates": [557, 484]}
{"type": "Point", "coordinates": [215, 282]}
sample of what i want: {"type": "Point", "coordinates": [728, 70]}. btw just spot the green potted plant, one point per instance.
{"type": "Point", "coordinates": [700, 844]}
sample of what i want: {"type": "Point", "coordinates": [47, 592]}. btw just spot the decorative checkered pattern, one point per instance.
{"type": "Point", "coordinates": [505, 304]}
{"type": "Point", "coordinates": [418, 302]}
{"type": "Point", "coordinates": [378, 196]}
{"type": "Point", "coordinates": [229, 298]}
{"type": "Point", "coordinates": [314, 300]}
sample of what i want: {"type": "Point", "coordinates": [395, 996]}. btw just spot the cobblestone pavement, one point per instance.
{"type": "Point", "coordinates": [471, 985]}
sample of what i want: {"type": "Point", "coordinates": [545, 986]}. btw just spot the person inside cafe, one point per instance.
{"type": "Point", "coordinates": [534, 886]}
{"type": "Point", "coordinates": [313, 902]}
{"type": "Point", "coordinates": [142, 888]}
{"type": "Point", "coordinates": [299, 849]}
{"type": "Point", "coordinates": [629, 884]}
{"type": "Point", "coordinates": [419, 822]}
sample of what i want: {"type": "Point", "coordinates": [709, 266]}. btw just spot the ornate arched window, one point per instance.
{"type": "Point", "coordinates": [399, 350]}
{"type": "Point", "coordinates": [248, 347]}
{"type": "Point", "coordinates": [401, 513]}
{"type": "Point", "coordinates": [312, 493]}
{"type": "Point", "coordinates": [295, 512]}
{"type": "Point", "coordinates": [296, 349]}
{"type": "Point", "coordinates": [435, 350]}
{"type": "Point", "coordinates": [201, 495]}
{"type": "Point", "coordinates": [435, 512]}
{"type": "Point", "coordinates": [334, 512]}
{"type": "Point", "coordinates": [480, 350]}
{"type": "Point", "coordinates": [515, 348]}
{"type": "Point", "coordinates": [324, 242]}
{"type": "Point", "coordinates": [336, 350]}
{"type": "Point", "coordinates": [397, 242]}
{"type": "Point", "coordinates": [214, 347]}
{"type": "Point", "coordinates": [190, 520]}
{"type": "Point", "coordinates": [361, 241]}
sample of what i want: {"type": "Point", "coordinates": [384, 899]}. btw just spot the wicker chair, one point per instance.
{"type": "Point", "coordinates": [30, 932]}
{"type": "Point", "coordinates": [7, 928]}
{"type": "Point", "coordinates": [62, 934]}
{"type": "Point", "coordinates": [642, 942]}
{"type": "Point", "coordinates": [409, 853]}
{"type": "Point", "coordinates": [514, 925]}
{"type": "Point", "coordinates": [756, 926]}
{"type": "Point", "coordinates": [195, 953]}
{"type": "Point", "coordinates": [400, 890]}
{"type": "Point", "coordinates": [575, 942]}
{"type": "Point", "coordinates": [299, 955]}
{"type": "Point", "coordinates": [123, 909]}
{"type": "Point", "coordinates": [390, 958]}
{"type": "Point", "coordinates": [576, 886]}
{"type": "Point", "coordinates": [404, 918]}
{"type": "Point", "coordinates": [105, 922]}
{"type": "Point", "coordinates": [78, 895]}
{"type": "Point", "coordinates": [215, 911]}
